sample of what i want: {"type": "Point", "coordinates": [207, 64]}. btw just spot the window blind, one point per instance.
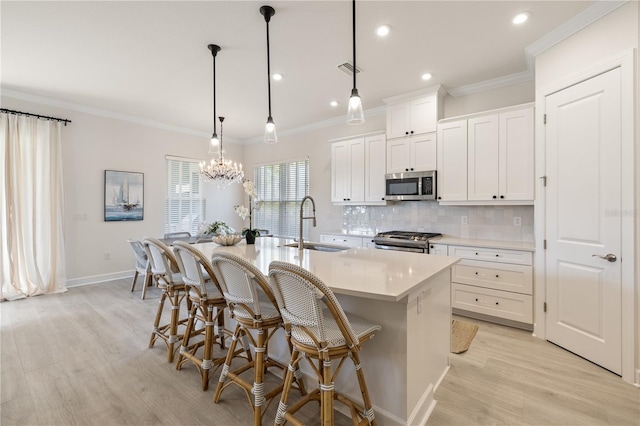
{"type": "Point", "coordinates": [185, 196]}
{"type": "Point", "coordinates": [282, 187]}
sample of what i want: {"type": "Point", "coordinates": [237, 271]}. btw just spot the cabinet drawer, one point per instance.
{"type": "Point", "coordinates": [497, 276]}
{"type": "Point", "coordinates": [492, 255]}
{"type": "Point", "coordinates": [341, 240]}
{"type": "Point", "coordinates": [503, 304]}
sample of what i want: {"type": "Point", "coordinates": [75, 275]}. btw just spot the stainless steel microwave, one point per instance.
{"type": "Point", "coordinates": [410, 186]}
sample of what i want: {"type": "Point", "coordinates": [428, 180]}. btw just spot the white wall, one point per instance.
{"type": "Point", "coordinates": [93, 144]}
{"type": "Point", "coordinates": [603, 39]}
{"type": "Point", "coordinates": [515, 94]}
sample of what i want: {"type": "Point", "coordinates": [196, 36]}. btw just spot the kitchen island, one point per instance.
{"type": "Point", "coordinates": [408, 294]}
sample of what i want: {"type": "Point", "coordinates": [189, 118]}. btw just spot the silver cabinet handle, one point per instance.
{"type": "Point", "coordinates": [609, 257]}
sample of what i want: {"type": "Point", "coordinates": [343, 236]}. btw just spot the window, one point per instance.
{"type": "Point", "coordinates": [185, 196]}
{"type": "Point", "coordinates": [282, 187]}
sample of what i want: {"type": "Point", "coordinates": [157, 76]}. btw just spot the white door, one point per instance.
{"type": "Point", "coordinates": [583, 140]}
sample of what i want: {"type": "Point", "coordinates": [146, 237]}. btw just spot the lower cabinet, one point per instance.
{"type": "Point", "coordinates": [493, 284]}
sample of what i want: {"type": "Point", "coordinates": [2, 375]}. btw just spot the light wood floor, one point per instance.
{"type": "Point", "coordinates": [81, 358]}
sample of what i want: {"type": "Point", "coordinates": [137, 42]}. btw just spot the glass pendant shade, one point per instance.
{"type": "Point", "coordinates": [355, 114]}
{"type": "Point", "coordinates": [270, 132]}
{"type": "Point", "coordinates": [213, 145]}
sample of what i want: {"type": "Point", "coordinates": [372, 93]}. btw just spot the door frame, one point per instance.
{"type": "Point", "coordinates": [628, 256]}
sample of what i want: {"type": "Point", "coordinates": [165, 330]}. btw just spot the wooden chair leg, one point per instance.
{"type": "Point", "coordinates": [227, 363]}
{"type": "Point", "coordinates": [368, 407]}
{"type": "Point", "coordinates": [156, 323]}
{"type": "Point", "coordinates": [148, 281]}
{"type": "Point", "coordinates": [207, 362]}
{"type": "Point", "coordinates": [258, 377]}
{"type": "Point", "coordinates": [326, 394]}
{"type": "Point", "coordinates": [288, 381]}
{"type": "Point", "coordinates": [173, 328]}
{"type": "Point", "coordinates": [133, 283]}
{"type": "Point", "coordinates": [187, 336]}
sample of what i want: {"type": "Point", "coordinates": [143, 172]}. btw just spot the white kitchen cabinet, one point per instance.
{"type": "Point", "coordinates": [357, 170]}
{"type": "Point", "coordinates": [452, 161]}
{"type": "Point", "coordinates": [493, 284]}
{"type": "Point", "coordinates": [414, 113]}
{"type": "Point", "coordinates": [499, 163]}
{"type": "Point", "coordinates": [347, 240]}
{"type": "Point", "coordinates": [414, 153]}
{"type": "Point", "coordinates": [439, 249]}
{"type": "Point", "coordinates": [374, 168]}
{"type": "Point", "coordinates": [501, 156]}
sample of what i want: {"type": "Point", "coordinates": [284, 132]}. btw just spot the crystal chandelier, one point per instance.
{"type": "Point", "coordinates": [222, 172]}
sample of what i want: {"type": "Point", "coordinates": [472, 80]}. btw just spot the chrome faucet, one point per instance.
{"type": "Point", "coordinates": [313, 203]}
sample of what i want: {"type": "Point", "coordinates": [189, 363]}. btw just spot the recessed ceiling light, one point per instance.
{"type": "Point", "coordinates": [426, 76]}
{"type": "Point", "coordinates": [383, 30]}
{"type": "Point", "coordinates": [520, 18]}
{"type": "Point", "coordinates": [277, 77]}
{"type": "Point", "coordinates": [334, 104]}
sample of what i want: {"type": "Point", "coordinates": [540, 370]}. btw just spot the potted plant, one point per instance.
{"type": "Point", "coordinates": [254, 205]}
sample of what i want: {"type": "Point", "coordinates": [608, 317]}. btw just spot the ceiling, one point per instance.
{"type": "Point", "coordinates": [149, 59]}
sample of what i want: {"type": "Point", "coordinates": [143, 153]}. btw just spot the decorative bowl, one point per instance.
{"type": "Point", "coordinates": [227, 240]}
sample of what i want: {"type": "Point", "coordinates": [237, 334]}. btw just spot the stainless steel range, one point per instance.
{"type": "Point", "coordinates": [405, 240]}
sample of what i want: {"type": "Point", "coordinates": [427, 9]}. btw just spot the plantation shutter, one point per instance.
{"type": "Point", "coordinates": [282, 187]}
{"type": "Point", "coordinates": [185, 198]}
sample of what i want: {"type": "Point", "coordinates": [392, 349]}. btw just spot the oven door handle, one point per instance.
{"type": "Point", "coordinates": [397, 248]}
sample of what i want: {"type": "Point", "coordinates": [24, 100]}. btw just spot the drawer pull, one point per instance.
{"type": "Point", "coordinates": [476, 299]}
{"type": "Point", "coordinates": [497, 276]}
{"type": "Point", "coordinates": [497, 255]}
{"type": "Point", "coordinates": [476, 254]}
{"type": "Point", "coordinates": [496, 303]}
{"type": "Point", "coordinates": [476, 273]}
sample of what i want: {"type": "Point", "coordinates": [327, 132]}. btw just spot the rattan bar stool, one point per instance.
{"type": "Point", "coordinates": [207, 307]}
{"type": "Point", "coordinates": [321, 335]}
{"type": "Point", "coordinates": [168, 278]}
{"type": "Point", "coordinates": [253, 306]}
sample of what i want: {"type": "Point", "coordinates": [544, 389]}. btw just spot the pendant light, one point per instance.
{"type": "Point", "coordinates": [213, 146]}
{"type": "Point", "coordinates": [270, 128]}
{"type": "Point", "coordinates": [221, 171]}
{"type": "Point", "coordinates": [355, 115]}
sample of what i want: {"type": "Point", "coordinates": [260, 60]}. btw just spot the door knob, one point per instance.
{"type": "Point", "coordinates": [609, 257]}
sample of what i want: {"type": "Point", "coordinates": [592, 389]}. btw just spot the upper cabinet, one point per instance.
{"type": "Point", "coordinates": [357, 170]}
{"type": "Point", "coordinates": [412, 121]}
{"type": "Point", "coordinates": [487, 158]}
{"type": "Point", "coordinates": [416, 153]}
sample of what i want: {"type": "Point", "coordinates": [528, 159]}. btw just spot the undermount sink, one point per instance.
{"type": "Point", "coordinates": [317, 246]}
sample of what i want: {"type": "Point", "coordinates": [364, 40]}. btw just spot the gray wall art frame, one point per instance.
{"type": "Point", "coordinates": [123, 196]}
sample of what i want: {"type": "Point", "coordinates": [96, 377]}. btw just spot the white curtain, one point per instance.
{"type": "Point", "coordinates": [31, 207]}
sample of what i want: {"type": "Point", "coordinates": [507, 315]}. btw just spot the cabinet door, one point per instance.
{"type": "Point", "coordinates": [483, 158]}
{"type": "Point", "coordinates": [516, 155]}
{"type": "Point", "coordinates": [439, 249]}
{"type": "Point", "coordinates": [398, 116]}
{"type": "Point", "coordinates": [374, 168]}
{"type": "Point", "coordinates": [340, 172]}
{"type": "Point", "coordinates": [452, 161]}
{"type": "Point", "coordinates": [423, 155]}
{"type": "Point", "coordinates": [398, 155]}
{"type": "Point", "coordinates": [424, 115]}
{"type": "Point", "coordinates": [357, 169]}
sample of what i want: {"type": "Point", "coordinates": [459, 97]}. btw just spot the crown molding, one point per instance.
{"type": "Point", "coordinates": [583, 19]}
{"type": "Point", "coordinates": [44, 100]}
{"type": "Point", "coordinates": [381, 110]}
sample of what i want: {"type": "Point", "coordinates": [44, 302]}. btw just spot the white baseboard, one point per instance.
{"type": "Point", "coordinates": [637, 381]}
{"type": "Point", "coordinates": [423, 408]}
{"type": "Point", "coordinates": [95, 279]}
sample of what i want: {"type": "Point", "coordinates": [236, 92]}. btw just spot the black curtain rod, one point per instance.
{"type": "Point", "coordinates": [10, 111]}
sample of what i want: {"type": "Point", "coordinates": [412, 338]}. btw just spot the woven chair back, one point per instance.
{"type": "Point", "coordinates": [162, 261]}
{"type": "Point", "coordinates": [142, 261]}
{"type": "Point", "coordinates": [301, 297]}
{"type": "Point", "coordinates": [177, 234]}
{"type": "Point", "coordinates": [193, 264]}
{"type": "Point", "coordinates": [242, 285]}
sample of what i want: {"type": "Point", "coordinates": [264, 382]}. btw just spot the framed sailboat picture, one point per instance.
{"type": "Point", "coordinates": [123, 195]}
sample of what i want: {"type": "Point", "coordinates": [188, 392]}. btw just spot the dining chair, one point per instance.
{"type": "Point", "coordinates": [254, 308]}
{"type": "Point", "coordinates": [168, 278]}
{"type": "Point", "coordinates": [181, 234]}
{"type": "Point", "coordinates": [321, 332]}
{"type": "Point", "coordinates": [207, 307]}
{"type": "Point", "coordinates": [142, 267]}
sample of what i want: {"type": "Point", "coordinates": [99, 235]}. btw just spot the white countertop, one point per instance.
{"type": "Point", "coordinates": [363, 272]}
{"type": "Point", "coordinates": [507, 245]}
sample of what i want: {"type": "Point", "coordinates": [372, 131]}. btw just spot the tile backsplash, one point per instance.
{"type": "Point", "coordinates": [483, 222]}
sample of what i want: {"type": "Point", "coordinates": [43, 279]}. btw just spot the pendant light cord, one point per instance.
{"type": "Point", "coordinates": [355, 69]}
{"type": "Point", "coordinates": [268, 67]}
